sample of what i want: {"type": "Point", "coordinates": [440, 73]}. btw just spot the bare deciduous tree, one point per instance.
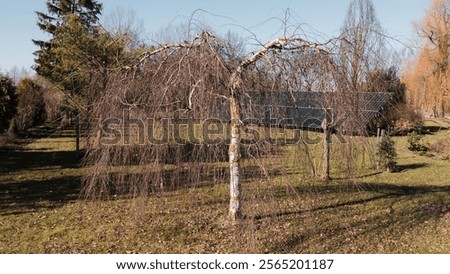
{"type": "Point", "coordinates": [124, 24]}
{"type": "Point", "coordinates": [362, 46]}
{"type": "Point", "coordinates": [147, 135]}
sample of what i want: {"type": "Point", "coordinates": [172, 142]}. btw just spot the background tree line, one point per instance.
{"type": "Point", "coordinates": [80, 45]}
{"type": "Point", "coordinates": [427, 73]}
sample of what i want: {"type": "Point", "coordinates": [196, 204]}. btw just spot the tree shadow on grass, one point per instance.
{"type": "Point", "coordinates": [433, 129]}
{"type": "Point", "coordinates": [184, 177]}
{"type": "Point", "coordinates": [29, 196]}
{"type": "Point", "coordinates": [49, 129]}
{"type": "Point", "coordinates": [401, 168]}
{"type": "Point", "coordinates": [380, 191]}
{"type": "Point", "coordinates": [389, 210]}
{"type": "Point", "coordinates": [21, 195]}
{"type": "Point", "coordinates": [25, 160]}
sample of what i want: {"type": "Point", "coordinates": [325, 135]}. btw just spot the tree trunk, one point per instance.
{"type": "Point", "coordinates": [234, 159]}
{"type": "Point", "coordinates": [326, 150]}
{"type": "Point", "coordinates": [443, 110]}
{"type": "Point", "coordinates": [77, 129]}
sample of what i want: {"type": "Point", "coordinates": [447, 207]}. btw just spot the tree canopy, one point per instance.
{"type": "Point", "coordinates": [427, 76]}
{"type": "Point", "coordinates": [65, 21]}
{"type": "Point", "coordinates": [8, 102]}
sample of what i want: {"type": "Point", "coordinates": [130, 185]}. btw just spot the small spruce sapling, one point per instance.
{"type": "Point", "coordinates": [386, 154]}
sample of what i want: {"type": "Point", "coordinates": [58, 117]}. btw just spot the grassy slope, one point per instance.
{"type": "Point", "coordinates": [404, 212]}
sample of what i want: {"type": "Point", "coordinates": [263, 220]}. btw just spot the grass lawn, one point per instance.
{"type": "Point", "coordinates": [403, 212]}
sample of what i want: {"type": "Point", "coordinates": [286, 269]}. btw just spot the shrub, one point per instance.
{"type": "Point", "coordinates": [441, 149]}
{"type": "Point", "coordinates": [398, 116]}
{"type": "Point", "coordinates": [31, 109]}
{"type": "Point", "coordinates": [400, 119]}
{"type": "Point", "coordinates": [404, 119]}
{"type": "Point", "coordinates": [53, 99]}
{"type": "Point", "coordinates": [415, 142]}
{"type": "Point", "coordinates": [386, 154]}
{"type": "Point", "coordinates": [8, 102]}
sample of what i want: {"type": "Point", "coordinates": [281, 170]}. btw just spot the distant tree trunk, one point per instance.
{"type": "Point", "coordinates": [234, 158]}
{"type": "Point", "coordinates": [326, 150]}
{"type": "Point", "coordinates": [309, 158]}
{"type": "Point", "coordinates": [443, 107]}
{"type": "Point", "coordinates": [77, 129]}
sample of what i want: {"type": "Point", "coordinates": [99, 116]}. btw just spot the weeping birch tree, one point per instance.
{"type": "Point", "coordinates": [182, 84]}
{"type": "Point", "coordinates": [153, 106]}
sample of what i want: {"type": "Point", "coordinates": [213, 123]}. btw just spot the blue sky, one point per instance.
{"type": "Point", "coordinates": [18, 19]}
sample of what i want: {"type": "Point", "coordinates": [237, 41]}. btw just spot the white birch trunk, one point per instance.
{"type": "Point", "coordinates": [234, 159]}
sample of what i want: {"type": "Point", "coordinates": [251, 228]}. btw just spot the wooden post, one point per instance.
{"type": "Point", "coordinates": [326, 150]}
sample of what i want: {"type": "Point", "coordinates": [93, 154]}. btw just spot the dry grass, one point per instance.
{"type": "Point", "coordinates": [403, 212]}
